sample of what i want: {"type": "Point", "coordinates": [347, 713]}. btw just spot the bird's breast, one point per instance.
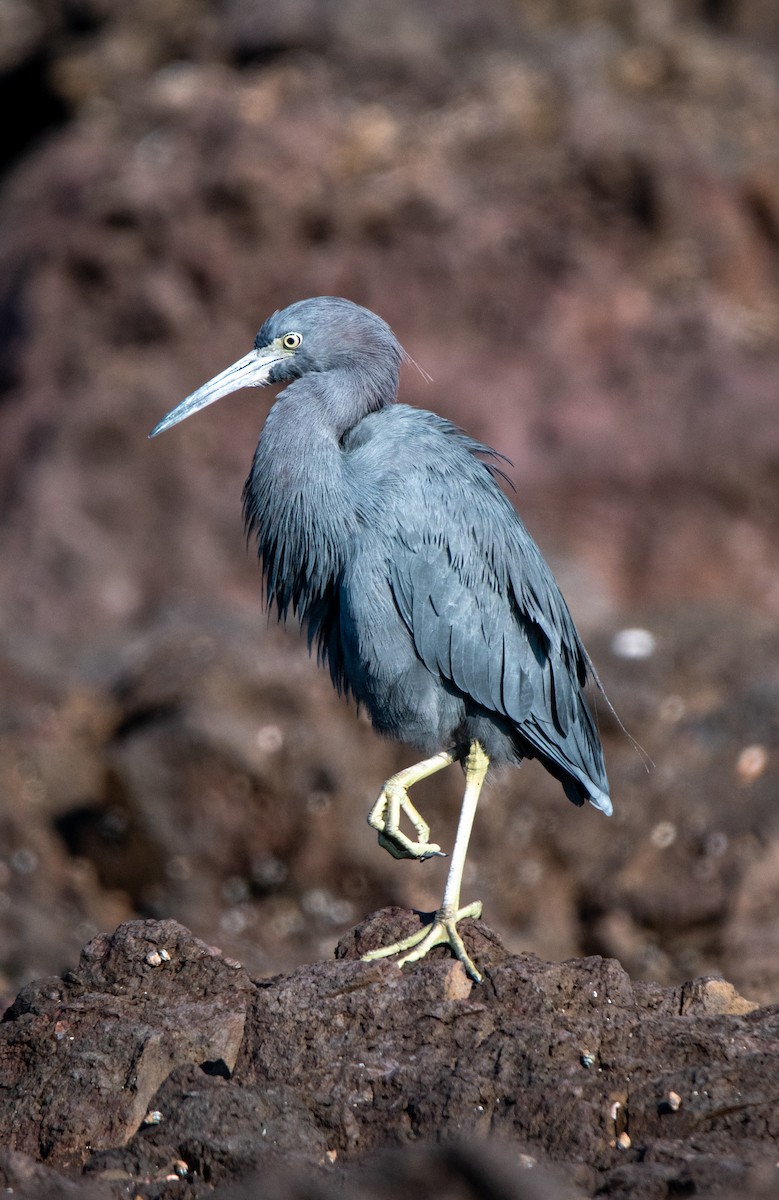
{"type": "Point", "coordinates": [300, 507]}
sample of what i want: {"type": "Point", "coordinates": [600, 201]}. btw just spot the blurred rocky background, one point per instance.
{"type": "Point", "coordinates": [569, 212]}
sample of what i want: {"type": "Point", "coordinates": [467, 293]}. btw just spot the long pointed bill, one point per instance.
{"type": "Point", "coordinates": [250, 371]}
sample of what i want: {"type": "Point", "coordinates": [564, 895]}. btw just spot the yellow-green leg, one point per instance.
{"type": "Point", "coordinates": [443, 930]}
{"type": "Point", "coordinates": [385, 814]}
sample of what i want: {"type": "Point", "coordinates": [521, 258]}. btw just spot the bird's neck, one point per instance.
{"type": "Point", "coordinates": [337, 400]}
{"type": "Point", "coordinates": [297, 502]}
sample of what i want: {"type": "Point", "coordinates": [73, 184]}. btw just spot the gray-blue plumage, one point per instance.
{"type": "Point", "coordinates": [383, 530]}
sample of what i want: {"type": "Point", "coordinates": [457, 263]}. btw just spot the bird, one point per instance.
{"type": "Point", "coordinates": [384, 530]}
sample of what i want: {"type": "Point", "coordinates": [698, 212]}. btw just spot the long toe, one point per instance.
{"type": "Point", "coordinates": [442, 932]}
{"type": "Point", "coordinates": [399, 846]}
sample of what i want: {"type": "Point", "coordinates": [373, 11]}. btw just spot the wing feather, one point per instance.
{"type": "Point", "coordinates": [483, 608]}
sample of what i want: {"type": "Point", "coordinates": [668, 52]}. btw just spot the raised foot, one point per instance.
{"type": "Point", "coordinates": [442, 932]}
{"type": "Point", "coordinates": [384, 817]}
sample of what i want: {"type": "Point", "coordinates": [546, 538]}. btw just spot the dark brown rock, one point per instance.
{"type": "Point", "coordinates": [81, 1059]}
{"type": "Point", "coordinates": [147, 1072]}
{"type": "Point", "coordinates": [573, 226]}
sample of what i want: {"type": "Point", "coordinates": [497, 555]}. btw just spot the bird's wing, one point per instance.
{"type": "Point", "coordinates": [484, 610]}
{"type": "Point", "coordinates": [460, 622]}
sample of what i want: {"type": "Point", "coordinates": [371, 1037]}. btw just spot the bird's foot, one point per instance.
{"type": "Point", "coordinates": [442, 932]}
{"type": "Point", "coordinates": [384, 817]}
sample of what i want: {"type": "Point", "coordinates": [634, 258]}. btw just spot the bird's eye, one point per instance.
{"type": "Point", "coordinates": [291, 341]}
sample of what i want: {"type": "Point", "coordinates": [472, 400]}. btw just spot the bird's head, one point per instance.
{"type": "Point", "coordinates": [324, 334]}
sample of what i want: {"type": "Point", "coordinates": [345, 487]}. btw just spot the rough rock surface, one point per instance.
{"type": "Point", "coordinates": [159, 1068]}
{"type": "Point", "coordinates": [141, 1004]}
{"type": "Point", "coordinates": [570, 212]}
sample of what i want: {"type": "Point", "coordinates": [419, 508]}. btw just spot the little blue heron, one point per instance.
{"type": "Point", "coordinates": [382, 528]}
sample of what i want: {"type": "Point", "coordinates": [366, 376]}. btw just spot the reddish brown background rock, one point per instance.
{"type": "Point", "coordinates": [570, 214]}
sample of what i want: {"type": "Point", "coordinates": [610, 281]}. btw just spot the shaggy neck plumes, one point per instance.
{"type": "Point", "coordinates": [294, 498]}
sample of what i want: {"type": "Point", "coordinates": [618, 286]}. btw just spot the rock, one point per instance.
{"type": "Point", "coordinates": [131, 1073]}
{"type": "Point", "coordinates": [22, 1176]}
{"type": "Point", "coordinates": [172, 175]}
{"type": "Point", "coordinates": [81, 1058]}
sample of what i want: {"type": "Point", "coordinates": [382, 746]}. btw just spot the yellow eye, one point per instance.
{"type": "Point", "coordinates": [291, 341]}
